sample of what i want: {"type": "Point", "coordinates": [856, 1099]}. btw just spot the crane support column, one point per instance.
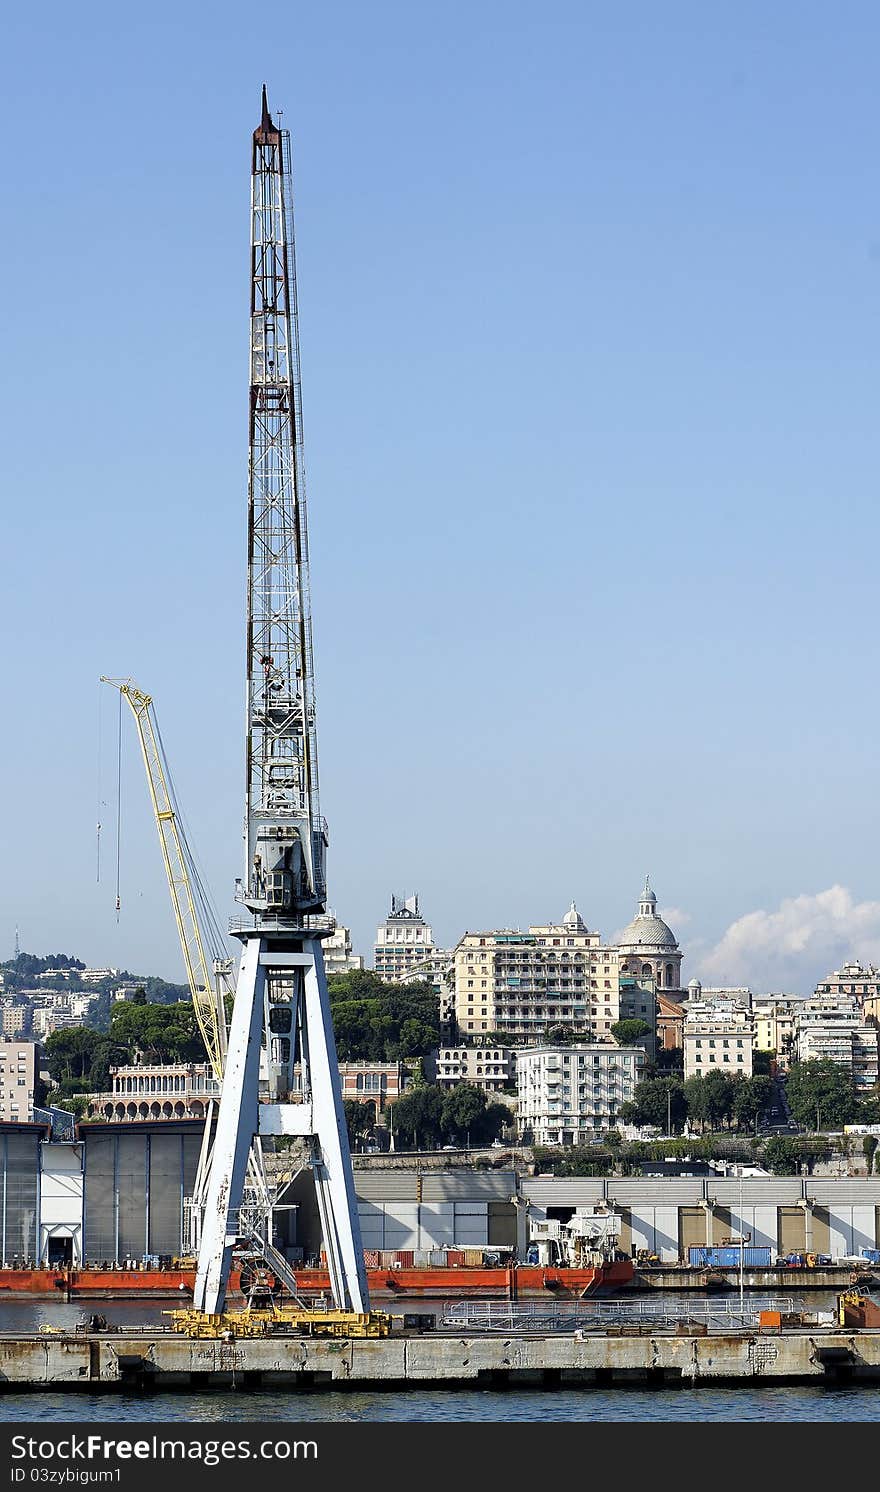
{"type": "Point", "coordinates": [237, 1123]}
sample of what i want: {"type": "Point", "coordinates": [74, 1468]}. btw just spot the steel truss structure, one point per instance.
{"type": "Point", "coordinates": [281, 997]}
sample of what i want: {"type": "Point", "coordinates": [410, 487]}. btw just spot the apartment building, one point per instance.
{"type": "Point", "coordinates": [565, 1094]}
{"type": "Point", "coordinates": [339, 957]}
{"type": "Point", "coordinates": [775, 1018]}
{"type": "Point", "coordinates": [670, 1024]}
{"type": "Point", "coordinates": [18, 1070]}
{"type": "Point", "coordinates": [489, 1067]}
{"type": "Point", "coordinates": [402, 940]}
{"type": "Point", "coordinates": [14, 1015]}
{"type": "Point", "coordinates": [863, 983]}
{"type": "Point", "coordinates": [522, 984]}
{"type": "Point", "coordinates": [833, 1027]}
{"type": "Point", "coordinates": [719, 1034]}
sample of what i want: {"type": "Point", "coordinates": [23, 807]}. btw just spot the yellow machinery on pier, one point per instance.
{"type": "Point", "coordinates": [269, 1323]}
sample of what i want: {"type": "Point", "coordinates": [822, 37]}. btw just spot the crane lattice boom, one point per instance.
{"type": "Point", "coordinates": [178, 861]}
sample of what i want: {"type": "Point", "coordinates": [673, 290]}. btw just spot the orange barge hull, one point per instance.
{"type": "Point", "coordinates": [523, 1281]}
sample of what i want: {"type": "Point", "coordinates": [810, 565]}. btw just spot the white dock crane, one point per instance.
{"type": "Point", "coordinates": [281, 992]}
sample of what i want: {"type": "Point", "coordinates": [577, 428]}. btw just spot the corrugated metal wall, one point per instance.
{"type": "Point", "coordinates": [792, 1230]}
{"type": "Point", "coordinates": [20, 1196]}
{"type": "Point", "coordinates": [661, 1215]}
{"type": "Point", "coordinates": [135, 1182]}
{"type": "Point", "coordinates": [434, 1225]}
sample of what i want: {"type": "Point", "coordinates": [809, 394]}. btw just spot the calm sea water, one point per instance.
{"type": "Point", "coordinates": [693, 1405]}
{"type": "Point", "coordinates": [766, 1404]}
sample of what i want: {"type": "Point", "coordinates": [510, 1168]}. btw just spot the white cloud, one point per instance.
{"type": "Point", "coordinates": [676, 917]}
{"type": "Point", "coordinates": [796, 945]}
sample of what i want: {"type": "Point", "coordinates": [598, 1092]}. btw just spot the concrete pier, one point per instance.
{"type": "Point", "coordinates": [145, 1361]}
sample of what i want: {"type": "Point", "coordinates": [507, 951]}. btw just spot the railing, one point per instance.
{"type": "Point", "coordinates": [501, 1315]}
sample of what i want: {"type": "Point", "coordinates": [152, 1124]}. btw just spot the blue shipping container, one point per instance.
{"type": "Point", "coordinates": [727, 1256]}
{"type": "Point", "coordinates": [872, 1254]}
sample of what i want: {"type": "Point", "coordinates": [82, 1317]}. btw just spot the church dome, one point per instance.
{"type": "Point", "coordinates": [574, 919]}
{"type": "Point", "coordinates": [647, 930]}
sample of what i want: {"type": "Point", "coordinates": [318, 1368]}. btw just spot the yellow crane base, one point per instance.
{"type": "Point", "coordinates": [229, 1325]}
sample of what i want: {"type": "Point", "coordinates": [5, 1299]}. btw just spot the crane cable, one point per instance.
{"type": "Point", "coordinates": [118, 801]}
{"type": "Point", "coordinates": [208, 919]}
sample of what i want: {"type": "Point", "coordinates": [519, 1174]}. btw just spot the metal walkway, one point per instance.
{"type": "Point", "coordinates": [527, 1316]}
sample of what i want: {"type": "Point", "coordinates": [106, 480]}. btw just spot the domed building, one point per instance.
{"type": "Point", "coordinates": [648, 947]}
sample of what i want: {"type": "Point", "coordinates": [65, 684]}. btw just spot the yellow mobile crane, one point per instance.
{"type": "Point", "coordinates": [184, 882]}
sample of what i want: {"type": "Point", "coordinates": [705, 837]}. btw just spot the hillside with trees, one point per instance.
{"type": "Point", "coordinates": [378, 1022]}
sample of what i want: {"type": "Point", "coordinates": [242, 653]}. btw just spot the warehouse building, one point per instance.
{"type": "Point", "coordinates": [117, 1194]}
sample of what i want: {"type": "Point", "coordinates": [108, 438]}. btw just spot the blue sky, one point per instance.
{"type": "Point", "coordinates": [589, 312]}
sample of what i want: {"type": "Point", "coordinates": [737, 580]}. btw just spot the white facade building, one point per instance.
{"type": "Point", "coordinates": [832, 1027]}
{"type": "Point", "coordinates": [566, 1093]}
{"type": "Point", "coordinates": [861, 982]}
{"type": "Point", "coordinates": [48, 1018]}
{"type": "Point", "coordinates": [719, 1035]}
{"type": "Point", "coordinates": [338, 955]}
{"type": "Point", "coordinates": [403, 940]}
{"type": "Point", "coordinates": [489, 1067]}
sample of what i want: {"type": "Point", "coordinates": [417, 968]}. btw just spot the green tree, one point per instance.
{"type": "Point", "coordinates": [417, 1117]}
{"type": "Point", "coordinates": [560, 1035]}
{"type": "Point", "coordinates": [710, 1099]}
{"type": "Point", "coordinates": [869, 1145]}
{"type": "Point", "coordinates": [820, 1093]}
{"type": "Point", "coordinates": [656, 1101]}
{"type": "Point", "coordinates": [375, 1022]}
{"type": "Point", "coordinates": [496, 1118]}
{"type": "Point", "coordinates": [751, 1097]}
{"type": "Point", "coordinates": [628, 1032]}
{"type": "Point", "coordinates": [70, 1053]}
{"type": "Point", "coordinates": [158, 1033]}
{"type": "Point", "coordinates": [360, 1118]}
{"type": "Point", "coordinates": [463, 1108]}
{"type": "Point", "coordinates": [762, 1063]}
{"type": "Point", "coordinates": [781, 1156]}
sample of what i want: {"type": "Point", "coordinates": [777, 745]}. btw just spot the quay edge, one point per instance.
{"type": "Point", "coordinates": [145, 1362]}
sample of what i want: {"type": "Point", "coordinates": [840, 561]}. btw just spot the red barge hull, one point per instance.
{"type": "Point", "coordinates": [523, 1281]}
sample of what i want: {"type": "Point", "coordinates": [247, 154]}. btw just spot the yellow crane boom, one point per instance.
{"type": "Point", "coordinates": [206, 998]}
